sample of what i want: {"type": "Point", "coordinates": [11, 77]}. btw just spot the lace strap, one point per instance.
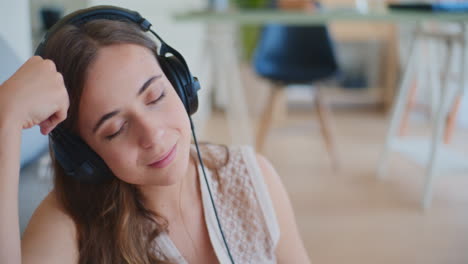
{"type": "Point", "coordinates": [245, 208]}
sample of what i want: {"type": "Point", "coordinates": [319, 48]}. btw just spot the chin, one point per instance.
{"type": "Point", "coordinates": [156, 179]}
{"type": "Point", "coordinates": [167, 180]}
{"type": "Point", "coordinates": [173, 174]}
{"type": "Point", "coordinates": [168, 176]}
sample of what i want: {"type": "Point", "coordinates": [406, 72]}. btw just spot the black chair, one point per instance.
{"type": "Point", "coordinates": [296, 55]}
{"type": "Point", "coordinates": [50, 16]}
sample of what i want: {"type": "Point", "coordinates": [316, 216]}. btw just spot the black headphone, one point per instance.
{"type": "Point", "coordinates": [75, 156]}
{"type": "Point", "coordinates": [77, 159]}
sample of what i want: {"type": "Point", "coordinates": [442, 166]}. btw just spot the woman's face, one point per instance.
{"type": "Point", "coordinates": [132, 117]}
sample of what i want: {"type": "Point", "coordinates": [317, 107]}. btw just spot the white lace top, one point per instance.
{"type": "Point", "coordinates": [244, 207]}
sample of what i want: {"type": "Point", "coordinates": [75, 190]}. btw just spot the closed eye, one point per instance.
{"type": "Point", "coordinates": [112, 136]}
{"type": "Point", "coordinates": [159, 98]}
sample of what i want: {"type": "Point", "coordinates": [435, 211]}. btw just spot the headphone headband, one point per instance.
{"type": "Point", "coordinates": [96, 12]}
{"type": "Point", "coordinates": [112, 13]}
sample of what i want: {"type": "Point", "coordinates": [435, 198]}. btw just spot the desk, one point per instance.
{"type": "Point", "coordinates": [308, 18]}
{"type": "Point", "coordinates": [224, 24]}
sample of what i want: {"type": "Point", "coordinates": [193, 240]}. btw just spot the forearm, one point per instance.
{"type": "Point", "coordinates": [10, 145]}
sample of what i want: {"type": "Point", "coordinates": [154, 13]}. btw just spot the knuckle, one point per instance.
{"type": "Point", "coordinates": [36, 58]}
{"type": "Point", "coordinates": [64, 94]}
{"type": "Point", "coordinates": [59, 77]}
{"type": "Point", "coordinates": [50, 64]}
{"type": "Point", "coordinates": [63, 114]}
{"type": "Point", "coordinates": [66, 102]}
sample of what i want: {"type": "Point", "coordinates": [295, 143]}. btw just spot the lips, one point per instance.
{"type": "Point", "coordinates": [166, 159]}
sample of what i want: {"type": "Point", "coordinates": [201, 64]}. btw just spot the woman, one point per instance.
{"type": "Point", "coordinates": [115, 96]}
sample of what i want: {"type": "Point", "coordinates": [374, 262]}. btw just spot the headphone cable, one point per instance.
{"type": "Point", "coordinates": [209, 191]}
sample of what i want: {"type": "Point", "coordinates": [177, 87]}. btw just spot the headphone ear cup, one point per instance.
{"type": "Point", "coordinates": [183, 82]}
{"type": "Point", "coordinates": [77, 159]}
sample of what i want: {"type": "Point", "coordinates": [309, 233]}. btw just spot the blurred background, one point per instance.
{"type": "Point", "coordinates": [361, 112]}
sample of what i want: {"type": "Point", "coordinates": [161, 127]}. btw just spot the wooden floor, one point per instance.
{"type": "Point", "coordinates": [351, 217]}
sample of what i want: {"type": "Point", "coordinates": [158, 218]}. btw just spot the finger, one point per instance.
{"type": "Point", "coordinates": [46, 126]}
{"type": "Point", "coordinates": [44, 129]}
{"type": "Point", "coordinates": [60, 115]}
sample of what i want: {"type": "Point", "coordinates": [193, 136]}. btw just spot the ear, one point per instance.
{"type": "Point", "coordinates": [185, 85]}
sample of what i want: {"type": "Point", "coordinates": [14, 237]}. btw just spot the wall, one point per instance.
{"type": "Point", "coordinates": [15, 30]}
{"type": "Point", "coordinates": [35, 5]}
{"type": "Point", "coordinates": [15, 26]}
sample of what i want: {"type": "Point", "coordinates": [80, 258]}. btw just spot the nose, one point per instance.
{"type": "Point", "coordinates": [149, 131]}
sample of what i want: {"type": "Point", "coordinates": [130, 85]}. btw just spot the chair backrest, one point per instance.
{"type": "Point", "coordinates": [295, 53]}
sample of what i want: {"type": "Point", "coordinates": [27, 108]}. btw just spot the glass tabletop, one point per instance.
{"type": "Point", "coordinates": [261, 16]}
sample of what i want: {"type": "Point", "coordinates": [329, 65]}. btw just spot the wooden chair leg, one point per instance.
{"type": "Point", "coordinates": [267, 116]}
{"type": "Point", "coordinates": [326, 128]}
{"type": "Point", "coordinates": [451, 121]}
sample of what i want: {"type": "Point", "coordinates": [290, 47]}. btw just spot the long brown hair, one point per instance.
{"type": "Point", "coordinates": [113, 225]}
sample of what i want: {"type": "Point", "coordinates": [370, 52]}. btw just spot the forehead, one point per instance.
{"type": "Point", "coordinates": [115, 77]}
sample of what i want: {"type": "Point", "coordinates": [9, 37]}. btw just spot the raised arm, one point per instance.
{"type": "Point", "coordinates": [34, 95]}
{"type": "Point", "coordinates": [10, 140]}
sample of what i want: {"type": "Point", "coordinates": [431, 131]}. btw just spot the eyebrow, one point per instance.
{"type": "Point", "coordinates": [107, 116]}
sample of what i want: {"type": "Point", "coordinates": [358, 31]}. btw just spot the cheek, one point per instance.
{"type": "Point", "coordinates": [119, 160]}
{"type": "Point", "coordinates": [178, 117]}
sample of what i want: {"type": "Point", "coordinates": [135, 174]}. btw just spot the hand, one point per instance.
{"type": "Point", "coordinates": [35, 95]}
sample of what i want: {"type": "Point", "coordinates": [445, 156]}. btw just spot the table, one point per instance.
{"type": "Point", "coordinates": [308, 18]}
{"type": "Point", "coordinates": [223, 25]}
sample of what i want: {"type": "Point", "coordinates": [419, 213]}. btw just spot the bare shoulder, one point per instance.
{"type": "Point", "coordinates": [50, 236]}
{"type": "Point", "coordinates": [274, 184]}
{"type": "Point", "coordinates": [270, 175]}
{"type": "Point", "coordinates": [290, 247]}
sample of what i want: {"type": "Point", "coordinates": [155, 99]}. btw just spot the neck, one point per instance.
{"type": "Point", "coordinates": [170, 201]}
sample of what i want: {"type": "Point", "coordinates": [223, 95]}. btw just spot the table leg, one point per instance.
{"type": "Point", "coordinates": [227, 69]}
{"type": "Point", "coordinates": [391, 76]}
{"type": "Point", "coordinates": [399, 106]}
{"type": "Point", "coordinates": [448, 96]}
